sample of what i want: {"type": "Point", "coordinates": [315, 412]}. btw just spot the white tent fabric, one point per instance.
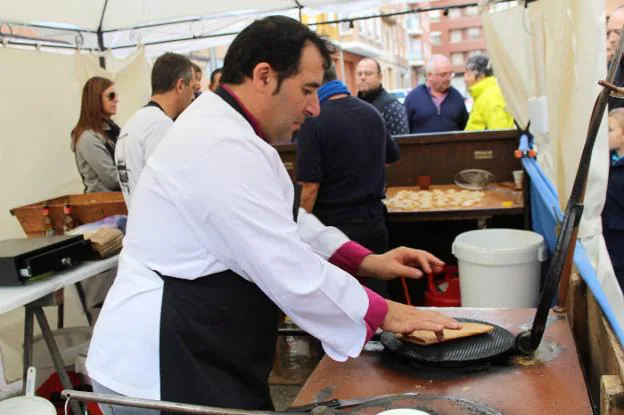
{"type": "Point", "coordinates": [37, 115]}
{"type": "Point", "coordinates": [121, 14]}
{"type": "Point", "coordinates": [555, 50]}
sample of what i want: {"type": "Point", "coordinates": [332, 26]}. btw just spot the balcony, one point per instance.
{"type": "Point", "coordinates": [416, 59]}
{"type": "Point", "coordinates": [360, 47]}
{"type": "Point", "coordinates": [414, 30]}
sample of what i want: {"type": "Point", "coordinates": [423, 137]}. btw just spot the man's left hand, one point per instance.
{"type": "Point", "coordinates": [399, 262]}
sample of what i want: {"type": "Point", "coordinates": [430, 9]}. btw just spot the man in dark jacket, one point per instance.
{"type": "Point", "coordinates": [614, 28]}
{"type": "Point", "coordinates": [368, 76]}
{"type": "Point", "coordinates": [613, 211]}
{"type": "Point", "coordinates": [436, 106]}
{"type": "Point", "coordinates": [341, 157]}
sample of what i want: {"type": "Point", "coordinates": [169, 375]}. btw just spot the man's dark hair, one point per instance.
{"type": "Point", "coordinates": [276, 40]}
{"type": "Point", "coordinates": [214, 74]}
{"type": "Point", "coordinates": [330, 74]}
{"type": "Point", "coordinates": [480, 65]}
{"type": "Point", "coordinates": [167, 69]}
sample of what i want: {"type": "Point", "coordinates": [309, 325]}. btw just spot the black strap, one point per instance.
{"type": "Point", "coordinates": [155, 104]}
{"type": "Point", "coordinates": [227, 97]}
{"type": "Point", "coordinates": [297, 201]}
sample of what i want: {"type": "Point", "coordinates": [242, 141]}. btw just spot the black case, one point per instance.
{"type": "Point", "coordinates": [23, 259]}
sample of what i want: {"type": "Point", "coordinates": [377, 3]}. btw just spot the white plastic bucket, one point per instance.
{"type": "Point", "coordinates": [31, 405]}
{"type": "Point", "coordinates": [499, 268]}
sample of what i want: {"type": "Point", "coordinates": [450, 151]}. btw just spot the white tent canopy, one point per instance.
{"type": "Point", "coordinates": [110, 15]}
{"type": "Point", "coordinates": [107, 15]}
{"type": "Point", "coordinates": [184, 26]}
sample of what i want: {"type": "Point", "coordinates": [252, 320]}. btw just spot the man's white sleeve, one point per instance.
{"type": "Point", "coordinates": [324, 240]}
{"type": "Point", "coordinates": [242, 216]}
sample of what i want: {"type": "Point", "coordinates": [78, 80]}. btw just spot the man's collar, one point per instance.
{"type": "Point", "coordinates": [371, 95]}
{"type": "Point", "coordinates": [226, 93]}
{"type": "Point", "coordinates": [441, 94]}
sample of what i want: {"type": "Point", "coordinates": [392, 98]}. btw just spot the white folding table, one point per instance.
{"type": "Point", "coordinates": [36, 294]}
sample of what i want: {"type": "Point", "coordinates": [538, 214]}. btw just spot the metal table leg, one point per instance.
{"type": "Point", "coordinates": [56, 354]}
{"type": "Point", "coordinates": [28, 344]}
{"type": "Point", "coordinates": [83, 302]}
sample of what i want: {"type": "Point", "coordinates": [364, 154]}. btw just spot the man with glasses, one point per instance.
{"type": "Point", "coordinates": [173, 89]}
{"type": "Point", "coordinates": [368, 76]}
{"type": "Point", "coordinates": [614, 28]}
{"type": "Point", "coordinates": [436, 106]}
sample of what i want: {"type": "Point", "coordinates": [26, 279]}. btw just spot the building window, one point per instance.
{"type": "Point", "coordinates": [413, 22]}
{"type": "Point", "coordinates": [454, 13]}
{"type": "Point", "coordinates": [457, 58]}
{"type": "Point", "coordinates": [471, 11]}
{"type": "Point", "coordinates": [504, 6]}
{"type": "Point", "coordinates": [434, 15]}
{"type": "Point", "coordinates": [473, 33]}
{"type": "Point", "coordinates": [456, 36]}
{"type": "Point", "coordinates": [474, 53]}
{"type": "Point", "coordinates": [415, 52]}
{"type": "Point", "coordinates": [436, 38]}
{"type": "Point", "coordinates": [344, 27]}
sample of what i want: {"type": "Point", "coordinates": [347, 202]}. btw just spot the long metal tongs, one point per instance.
{"type": "Point", "coordinates": [174, 407]}
{"type": "Point", "coordinates": [528, 341]}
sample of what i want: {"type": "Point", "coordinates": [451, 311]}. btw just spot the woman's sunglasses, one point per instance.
{"type": "Point", "coordinates": [111, 96]}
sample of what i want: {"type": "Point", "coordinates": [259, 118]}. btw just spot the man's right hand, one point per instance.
{"type": "Point", "coordinates": [404, 319]}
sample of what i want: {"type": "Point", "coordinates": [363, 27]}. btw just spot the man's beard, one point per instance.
{"type": "Point", "coordinates": [370, 94]}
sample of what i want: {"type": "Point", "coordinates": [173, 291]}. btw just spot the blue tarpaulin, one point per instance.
{"type": "Point", "coordinates": [545, 213]}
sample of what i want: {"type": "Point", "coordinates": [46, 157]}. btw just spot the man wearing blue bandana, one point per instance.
{"type": "Point", "coordinates": [341, 157]}
{"type": "Point", "coordinates": [613, 211]}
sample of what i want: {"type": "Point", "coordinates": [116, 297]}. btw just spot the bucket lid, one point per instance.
{"type": "Point", "coordinates": [499, 247]}
{"type": "Point", "coordinates": [32, 405]}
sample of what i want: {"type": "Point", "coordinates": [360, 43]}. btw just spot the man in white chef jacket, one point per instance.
{"type": "Point", "coordinates": [173, 85]}
{"type": "Point", "coordinates": [216, 244]}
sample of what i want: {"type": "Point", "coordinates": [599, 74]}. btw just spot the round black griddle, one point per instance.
{"type": "Point", "coordinates": [469, 351]}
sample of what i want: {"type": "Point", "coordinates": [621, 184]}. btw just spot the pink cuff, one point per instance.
{"type": "Point", "coordinates": [377, 310]}
{"type": "Point", "coordinates": [349, 257]}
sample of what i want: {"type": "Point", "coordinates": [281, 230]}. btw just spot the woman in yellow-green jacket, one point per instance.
{"type": "Point", "coordinates": [489, 110]}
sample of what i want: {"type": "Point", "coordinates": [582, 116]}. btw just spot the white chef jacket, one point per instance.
{"type": "Point", "coordinates": [215, 196]}
{"type": "Point", "coordinates": [137, 141]}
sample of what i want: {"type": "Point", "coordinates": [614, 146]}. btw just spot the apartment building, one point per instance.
{"type": "Point", "coordinates": [455, 32]}
{"type": "Point", "coordinates": [383, 39]}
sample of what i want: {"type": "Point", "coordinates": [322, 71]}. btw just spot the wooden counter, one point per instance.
{"type": "Point", "coordinates": [549, 383]}
{"type": "Point", "coordinates": [500, 199]}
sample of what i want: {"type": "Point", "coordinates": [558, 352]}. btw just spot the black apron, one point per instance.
{"type": "Point", "coordinates": [217, 342]}
{"type": "Point", "coordinates": [218, 336]}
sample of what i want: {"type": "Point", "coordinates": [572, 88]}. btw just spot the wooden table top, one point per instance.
{"type": "Point", "coordinates": [500, 199]}
{"type": "Point", "coordinates": [549, 383]}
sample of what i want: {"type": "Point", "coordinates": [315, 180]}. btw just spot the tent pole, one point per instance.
{"type": "Point", "coordinates": [100, 36]}
{"type": "Point", "coordinates": [300, 7]}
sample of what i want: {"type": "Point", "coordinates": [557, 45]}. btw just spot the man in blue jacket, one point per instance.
{"type": "Point", "coordinates": [436, 106]}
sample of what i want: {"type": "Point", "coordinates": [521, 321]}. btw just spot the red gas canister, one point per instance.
{"type": "Point", "coordinates": [443, 289]}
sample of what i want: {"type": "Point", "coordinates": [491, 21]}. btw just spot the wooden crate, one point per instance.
{"type": "Point", "coordinates": [85, 208]}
